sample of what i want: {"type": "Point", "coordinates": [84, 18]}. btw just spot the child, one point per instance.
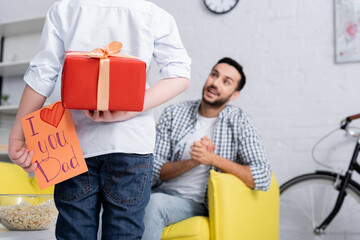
{"type": "Point", "coordinates": [118, 146]}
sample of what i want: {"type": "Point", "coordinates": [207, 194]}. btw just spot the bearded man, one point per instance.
{"type": "Point", "coordinates": [196, 136]}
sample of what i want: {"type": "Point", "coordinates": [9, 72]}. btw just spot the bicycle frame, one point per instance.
{"type": "Point", "coordinates": [354, 165]}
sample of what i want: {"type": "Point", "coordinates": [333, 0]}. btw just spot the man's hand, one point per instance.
{"type": "Point", "coordinates": [203, 151]}
{"type": "Point", "coordinates": [20, 155]}
{"type": "Point", "coordinates": [110, 116]}
{"type": "Point", "coordinates": [206, 141]}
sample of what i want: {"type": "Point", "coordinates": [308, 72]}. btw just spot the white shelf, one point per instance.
{"type": "Point", "coordinates": [8, 109]}
{"type": "Point", "coordinates": [23, 26]}
{"type": "Point", "coordinates": [12, 109]}
{"type": "Point", "coordinates": [3, 153]}
{"type": "Point", "coordinates": [12, 30]}
{"type": "Point", "coordinates": [3, 149]}
{"type": "Point", "coordinates": [8, 69]}
{"type": "Point", "coordinates": [18, 27]}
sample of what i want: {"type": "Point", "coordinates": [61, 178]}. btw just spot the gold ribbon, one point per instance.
{"type": "Point", "coordinates": [103, 54]}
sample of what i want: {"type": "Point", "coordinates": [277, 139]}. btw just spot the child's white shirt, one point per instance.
{"type": "Point", "coordinates": [145, 30]}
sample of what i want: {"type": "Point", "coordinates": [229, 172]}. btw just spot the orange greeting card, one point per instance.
{"type": "Point", "coordinates": [50, 133]}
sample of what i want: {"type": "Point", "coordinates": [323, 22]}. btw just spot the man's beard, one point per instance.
{"type": "Point", "coordinates": [218, 103]}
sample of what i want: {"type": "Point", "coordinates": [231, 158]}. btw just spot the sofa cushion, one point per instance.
{"type": "Point", "coordinates": [195, 228]}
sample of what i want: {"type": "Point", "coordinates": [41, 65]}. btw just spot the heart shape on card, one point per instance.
{"type": "Point", "coordinates": [54, 115]}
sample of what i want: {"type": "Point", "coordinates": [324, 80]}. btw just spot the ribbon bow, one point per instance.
{"type": "Point", "coordinates": [109, 50]}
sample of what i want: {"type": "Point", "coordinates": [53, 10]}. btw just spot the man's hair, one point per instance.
{"type": "Point", "coordinates": [238, 67]}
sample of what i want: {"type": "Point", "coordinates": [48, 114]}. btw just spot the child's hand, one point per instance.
{"type": "Point", "coordinates": [20, 155]}
{"type": "Point", "coordinates": [110, 116]}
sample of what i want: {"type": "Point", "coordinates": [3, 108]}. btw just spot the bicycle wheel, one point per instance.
{"type": "Point", "coordinates": [307, 200]}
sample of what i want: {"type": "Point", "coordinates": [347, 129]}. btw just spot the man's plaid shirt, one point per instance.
{"type": "Point", "coordinates": [235, 138]}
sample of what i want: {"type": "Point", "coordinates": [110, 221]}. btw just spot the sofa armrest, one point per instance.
{"type": "Point", "coordinates": [14, 180]}
{"type": "Point", "coordinates": [237, 212]}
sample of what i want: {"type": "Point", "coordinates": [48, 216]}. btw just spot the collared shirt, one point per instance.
{"type": "Point", "coordinates": [235, 138]}
{"type": "Point", "coordinates": [145, 30]}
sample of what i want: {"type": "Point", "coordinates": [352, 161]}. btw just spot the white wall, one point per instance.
{"type": "Point", "coordinates": [295, 93]}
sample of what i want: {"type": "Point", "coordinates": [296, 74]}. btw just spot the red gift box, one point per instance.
{"type": "Point", "coordinates": [124, 81]}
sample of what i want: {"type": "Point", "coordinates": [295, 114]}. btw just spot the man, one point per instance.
{"type": "Point", "coordinates": [196, 136]}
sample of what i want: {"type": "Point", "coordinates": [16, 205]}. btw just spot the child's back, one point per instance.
{"type": "Point", "coordinates": [118, 146]}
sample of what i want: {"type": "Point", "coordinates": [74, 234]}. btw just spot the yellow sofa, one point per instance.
{"type": "Point", "coordinates": [14, 180]}
{"type": "Point", "coordinates": [235, 213]}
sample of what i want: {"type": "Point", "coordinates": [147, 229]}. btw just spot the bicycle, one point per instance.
{"type": "Point", "coordinates": [324, 205]}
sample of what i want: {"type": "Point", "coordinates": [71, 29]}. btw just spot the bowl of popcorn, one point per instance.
{"type": "Point", "coordinates": [27, 212]}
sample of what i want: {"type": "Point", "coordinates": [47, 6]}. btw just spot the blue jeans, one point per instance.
{"type": "Point", "coordinates": [121, 183]}
{"type": "Point", "coordinates": [164, 209]}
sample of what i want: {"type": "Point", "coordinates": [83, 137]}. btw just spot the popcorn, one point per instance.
{"type": "Point", "coordinates": [24, 216]}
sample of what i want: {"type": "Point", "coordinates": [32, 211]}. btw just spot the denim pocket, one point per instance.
{"type": "Point", "coordinates": [73, 188]}
{"type": "Point", "coordinates": [126, 177]}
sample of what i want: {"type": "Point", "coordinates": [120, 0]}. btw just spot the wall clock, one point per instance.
{"type": "Point", "coordinates": [220, 6]}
